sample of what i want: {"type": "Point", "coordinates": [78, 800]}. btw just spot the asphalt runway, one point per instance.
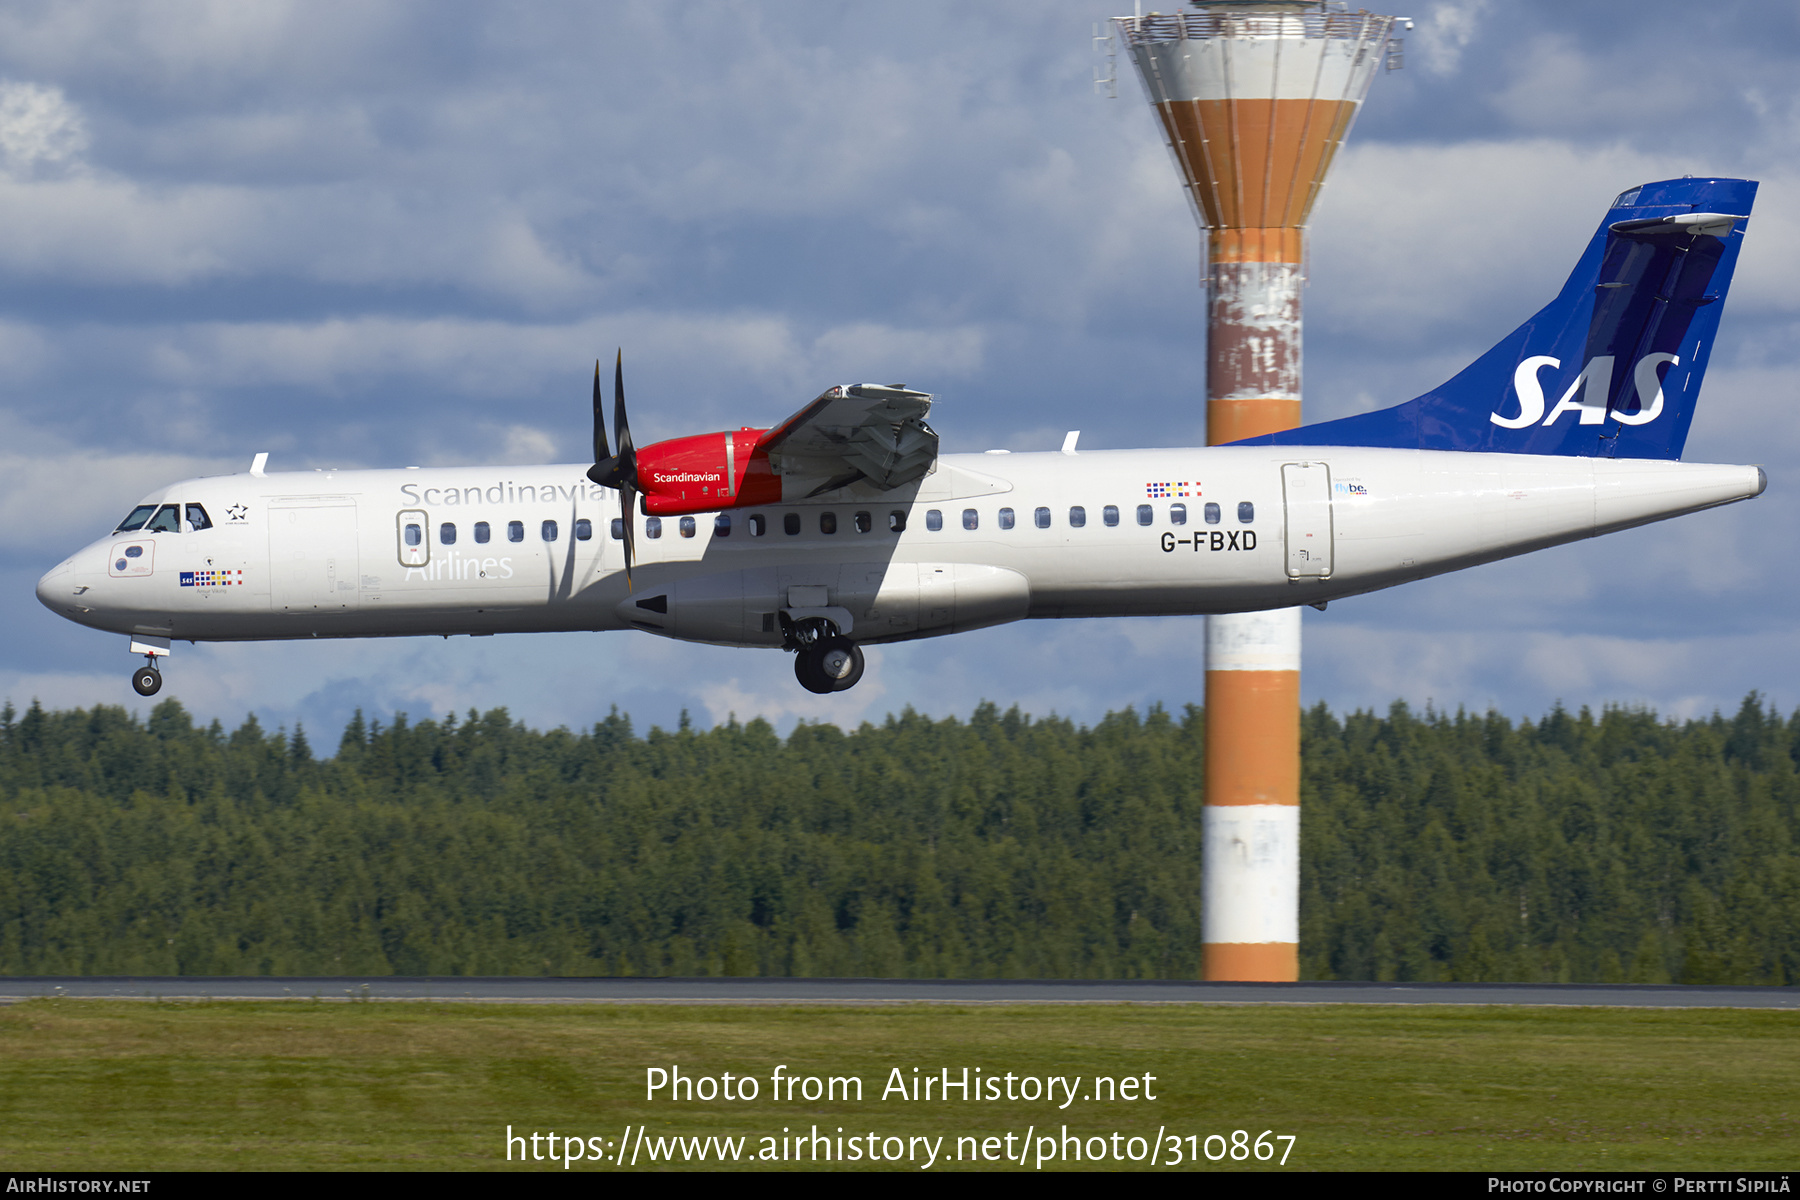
{"type": "Point", "coordinates": [542, 990]}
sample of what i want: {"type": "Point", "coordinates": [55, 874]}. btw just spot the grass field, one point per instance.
{"type": "Point", "coordinates": [306, 1085]}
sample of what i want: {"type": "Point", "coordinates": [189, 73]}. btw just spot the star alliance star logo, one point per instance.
{"type": "Point", "coordinates": [237, 514]}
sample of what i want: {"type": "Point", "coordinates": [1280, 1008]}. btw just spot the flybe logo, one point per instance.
{"type": "Point", "coordinates": [1586, 397]}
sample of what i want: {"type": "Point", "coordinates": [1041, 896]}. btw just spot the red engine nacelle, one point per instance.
{"type": "Point", "coordinates": [705, 473]}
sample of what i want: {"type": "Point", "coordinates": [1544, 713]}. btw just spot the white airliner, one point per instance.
{"type": "Point", "coordinates": [843, 526]}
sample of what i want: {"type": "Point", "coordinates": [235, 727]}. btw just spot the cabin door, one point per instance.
{"type": "Point", "coordinates": [313, 556]}
{"type": "Point", "coordinates": [1306, 495]}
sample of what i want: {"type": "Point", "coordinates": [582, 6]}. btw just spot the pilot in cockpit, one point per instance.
{"type": "Point", "coordinates": [167, 518]}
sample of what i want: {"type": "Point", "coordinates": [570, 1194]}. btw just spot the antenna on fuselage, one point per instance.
{"type": "Point", "coordinates": [259, 462]}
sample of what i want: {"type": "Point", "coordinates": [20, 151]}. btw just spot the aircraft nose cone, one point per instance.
{"type": "Point", "coordinates": [54, 589]}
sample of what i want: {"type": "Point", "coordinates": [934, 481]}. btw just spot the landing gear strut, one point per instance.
{"type": "Point", "coordinates": [831, 664]}
{"type": "Point", "coordinates": [147, 680]}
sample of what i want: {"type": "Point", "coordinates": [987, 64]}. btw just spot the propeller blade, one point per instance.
{"type": "Point", "coordinates": [624, 468]}
{"type": "Point", "coordinates": [602, 451]}
{"type": "Point", "coordinates": [627, 460]}
{"type": "Point", "coordinates": [628, 519]}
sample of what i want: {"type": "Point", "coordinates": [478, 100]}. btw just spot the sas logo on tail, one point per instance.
{"type": "Point", "coordinates": [1587, 395]}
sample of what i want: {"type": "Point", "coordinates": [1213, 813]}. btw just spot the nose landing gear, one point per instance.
{"type": "Point", "coordinates": [147, 680]}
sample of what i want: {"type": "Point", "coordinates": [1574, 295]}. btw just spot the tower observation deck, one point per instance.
{"type": "Point", "coordinates": [1254, 98]}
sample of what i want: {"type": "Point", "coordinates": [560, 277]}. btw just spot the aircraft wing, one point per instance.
{"type": "Point", "coordinates": [855, 431]}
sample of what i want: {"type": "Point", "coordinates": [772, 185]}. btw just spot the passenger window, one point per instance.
{"type": "Point", "coordinates": [1110, 514]}
{"type": "Point", "coordinates": [934, 519]}
{"type": "Point", "coordinates": [652, 527]}
{"type": "Point", "coordinates": [197, 518]}
{"type": "Point", "coordinates": [136, 520]}
{"type": "Point", "coordinates": [166, 520]}
{"type": "Point", "coordinates": [1077, 517]}
{"type": "Point", "coordinates": [722, 525]}
{"type": "Point", "coordinates": [897, 521]}
{"type": "Point", "coordinates": [1246, 512]}
{"type": "Point", "coordinates": [547, 531]}
{"type": "Point", "coordinates": [483, 531]}
{"type": "Point", "coordinates": [1145, 514]}
{"type": "Point", "coordinates": [515, 531]}
{"type": "Point", "coordinates": [971, 519]}
{"type": "Point", "coordinates": [584, 530]}
{"type": "Point", "coordinates": [759, 525]}
{"type": "Point", "coordinates": [1006, 518]}
{"type": "Point", "coordinates": [863, 522]}
{"type": "Point", "coordinates": [447, 534]}
{"type": "Point", "coordinates": [1178, 514]}
{"type": "Point", "coordinates": [790, 524]}
{"type": "Point", "coordinates": [414, 534]}
{"type": "Point", "coordinates": [618, 530]}
{"type": "Point", "coordinates": [1042, 517]}
{"type": "Point", "coordinates": [827, 522]}
{"type": "Point", "coordinates": [1211, 512]}
{"type": "Point", "coordinates": [687, 527]}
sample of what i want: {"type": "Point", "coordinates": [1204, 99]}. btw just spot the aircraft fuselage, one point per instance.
{"type": "Point", "coordinates": [982, 540]}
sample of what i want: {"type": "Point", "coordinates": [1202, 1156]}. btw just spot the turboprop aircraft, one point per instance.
{"type": "Point", "coordinates": [843, 526]}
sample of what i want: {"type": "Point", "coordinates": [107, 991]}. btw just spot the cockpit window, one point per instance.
{"type": "Point", "coordinates": [166, 520]}
{"type": "Point", "coordinates": [197, 518]}
{"type": "Point", "coordinates": [136, 520]}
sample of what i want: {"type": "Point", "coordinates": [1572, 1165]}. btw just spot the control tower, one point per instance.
{"type": "Point", "coordinates": [1255, 97]}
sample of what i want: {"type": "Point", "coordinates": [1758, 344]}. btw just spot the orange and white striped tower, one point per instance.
{"type": "Point", "coordinates": [1255, 97]}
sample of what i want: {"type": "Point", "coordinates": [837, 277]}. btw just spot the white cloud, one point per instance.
{"type": "Point", "coordinates": [522, 444]}
{"type": "Point", "coordinates": [1524, 672]}
{"type": "Point", "coordinates": [764, 686]}
{"type": "Point", "coordinates": [40, 131]}
{"type": "Point", "coordinates": [98, 230]}
{"type": "Point", "coordinates": [1446, 32]}
{"type": "Point", "coordinates": [1419, 238]}
{"type": "Point", "coordinates": [879, 350]}
{"type": "Point", "coordinates": [1564, 86]}
{"type": "Point", "coordinates": [319, 224]}
{"type": "Point", "coordinates": [751, 367]}
{"type": "Point", "coordinates": [57, 497]}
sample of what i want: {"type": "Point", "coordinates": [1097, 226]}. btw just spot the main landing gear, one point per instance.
{"type": "Point", "coordinates": [831, 664]}
{"type": "Point", "coordinates": [147, 680]}
{"type": "Point", "coordinates": [824, 660]}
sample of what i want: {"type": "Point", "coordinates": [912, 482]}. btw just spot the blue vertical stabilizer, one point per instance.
{"type": "Point", "coordinates": [1610, 368]}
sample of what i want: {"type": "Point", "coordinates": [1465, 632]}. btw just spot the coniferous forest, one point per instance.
{"type": "Point", "coordinates": [1435, 847]}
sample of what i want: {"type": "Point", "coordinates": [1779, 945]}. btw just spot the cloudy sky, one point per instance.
{"type": "Point", "coordinates": [373, 234]}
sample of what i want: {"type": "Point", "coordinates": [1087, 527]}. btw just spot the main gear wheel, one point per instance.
{"type": "Point", "coordinates": [832, 664]}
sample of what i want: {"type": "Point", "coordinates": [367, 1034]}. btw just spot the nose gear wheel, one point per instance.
{"type": "Point", "coordinates": [147, 680]}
